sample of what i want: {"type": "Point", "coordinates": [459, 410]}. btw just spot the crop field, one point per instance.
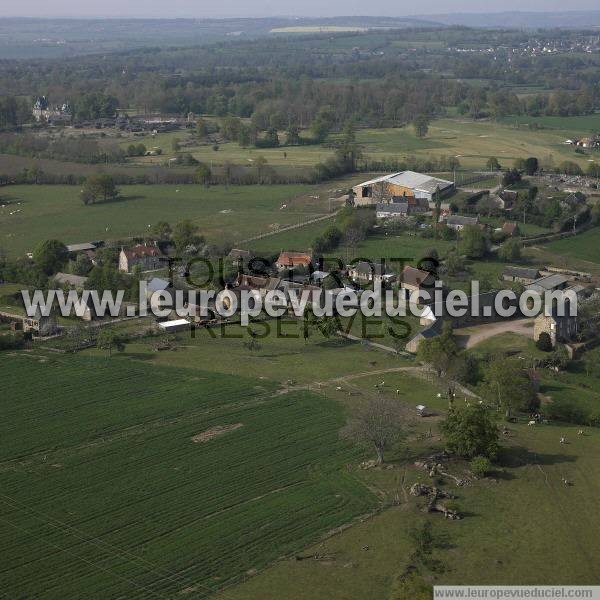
{"type": "Point", "coordinates": [42, 211]}
{"type": "Point", "coordinates": [121, 479]}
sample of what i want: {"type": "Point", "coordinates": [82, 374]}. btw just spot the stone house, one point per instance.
{"type": "Point", "coordinates": [149, 258]}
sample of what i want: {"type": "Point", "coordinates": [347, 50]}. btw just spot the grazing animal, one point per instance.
{"type": "Point", "coordinates": [562, 440]}
{"type": "Point", "coordinates": [338, 388]}
{"type": "Point", "coordinates": [397, 392]}
{"type": "Point", "coordinates": [580, 432]}
{"type": "Point", "coordinates": [531, 423]}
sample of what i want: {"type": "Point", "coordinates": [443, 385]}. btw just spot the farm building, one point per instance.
{"type": "Point", "coordinates": [459, 222]}
{"type": "Point", "coordinates": [549, 283]}
{"type": "Point", "coordinates": [289, 260]}
{"type": "Point", "coordinates": [175, 325]}
{"type": "Point", "coordinates": [149, 258]}
{"type": "Point", "coordinates": [414, 280]}
{"type": "Point", "coordinates": [364, 272]}
{"type": "Point", "coordinates": [520, 275]}
{"type": "Point", "coordinates": [559, 328]}
{"type": "Point", "coordinates": [391, 210]}
{"type": "Point", "coordinates": [400, 186]}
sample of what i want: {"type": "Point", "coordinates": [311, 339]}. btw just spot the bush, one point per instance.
{"type": "Point", "coordinates": [544, 342]}
{"type": "Point", "coordinates": [481, 466]}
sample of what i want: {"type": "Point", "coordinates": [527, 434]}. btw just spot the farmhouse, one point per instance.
{"type": "Point", "coordinates": [149, 258]}
{"type": "Point", "coordinates": [414, 280]}
{"type": "Point", "coordinates": [400, 186]}
{"type": "Point", "coordinates": [289, 260]}
{"type": "Point", "coordinates": [364, 272]}
{"type": "Point", "coordinates": [559, 328]}
{"type": "Point", "coordinates": [459, 222]}
{"type": "Point", "coordinates": [507, 199]}
{"type": "Point", "coordinates": [392, 210]}
{"type": "Point", "coordinates": [520, 275]}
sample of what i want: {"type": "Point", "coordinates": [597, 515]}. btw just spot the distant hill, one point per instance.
{"type": "Point", "coordinates": [521, 20]}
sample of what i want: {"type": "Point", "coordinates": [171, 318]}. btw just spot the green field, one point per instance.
{"type": "Point", "coordinates": [473, 142]}
{"type": "Point", "coordinates": [513, 520]}
{"type": "Point", "coordinates": [104, 493]}
{"type": "Point", "coordinates": [585, 246]}
{"type": "Point", "coordinates": [221, 213]}
{"type": "Point", "coordinates": [578, 125]}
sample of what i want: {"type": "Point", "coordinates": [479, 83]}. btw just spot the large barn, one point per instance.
{"type": "Point", "coordinates": [394, 187]}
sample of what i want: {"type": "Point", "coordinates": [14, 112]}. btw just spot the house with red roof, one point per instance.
{"type": "Point", "coordinates": [149, 258]}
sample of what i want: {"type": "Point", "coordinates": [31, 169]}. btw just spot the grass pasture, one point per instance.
{"type": "Point", "coordinates": [104, 493]}
{"type": "Point", "coordinates": [585, 246]}
{"type": "Point", "coordinates": [473, 142]}
{"type": "Point", "coordinates": [513, 520]}
{"type": "Point", "coordinates": [221, 213]}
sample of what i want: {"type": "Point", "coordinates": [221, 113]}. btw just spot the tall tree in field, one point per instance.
{"type": "Point", "coordinates": [421, 126]}
{"type": "Point", "coordinates": [203, 174]}
{"type": "Point", "coordinates": [348, 151]}
{"type": "Point", "coordinates": [99, 187]}
{"type": "Point", "coordinates": [469, 431]}
{"type": "Point", "coordinates": [509, 387]}
{"type": "Point", "coordinates": [377, 424]}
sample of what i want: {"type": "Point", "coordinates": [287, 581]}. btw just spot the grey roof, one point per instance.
{"type": "Point", "coordinates": [366, 268]}
{"type": "Point", "coordinates": [547, 283]}
{"type": "Point", "coordinates": [521, 272]}
{"type": "Point", "coordinates": [157, 284]}
{"type": "Point", "coordinates": [396, 208]}
{"type": "Point", "coordinates": [461, 220]}
{"type": "Point", "coordinates": [412, 180]}
{"type": "Point", "coordinates": [81, 247]}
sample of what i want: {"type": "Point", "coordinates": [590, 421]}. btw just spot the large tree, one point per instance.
{"type": "Point", "coordinates": [378, 424]}
{"type": "Point", "coordinates": [99, 187]}
{"type": "Point", "coordinates": [473, 241]}
{"type": "Point", "coordinates": [469, 431]}
{"type": "Point", "coordinates": [421, 125]}
{"type": "Point", "coordinates": [50, 256]}
{"type": "Point", "coordinates": [186, 236]}
{"type": "Point", "coordinates": [508, 387]}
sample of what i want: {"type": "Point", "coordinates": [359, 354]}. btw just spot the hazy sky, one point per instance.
{"type": "Point", "coordinates": [262, 8]}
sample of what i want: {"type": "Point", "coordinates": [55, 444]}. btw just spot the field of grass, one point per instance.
{"type": "Point", "coordinates": [526, 492]}
{"type": "Point", "coordinates": [104, 493]}
{"type": "Point", "coordinates": [578, 125]}
{"type": "Point", "coordinates": [585, 246]}
{"type": "Point", "coordinates": [473, 142]}
{"type": "Point", "coordinates": [221, 213]}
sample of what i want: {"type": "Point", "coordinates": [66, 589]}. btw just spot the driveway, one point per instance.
{"type": "Point", "coordinates": [471, 336]}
